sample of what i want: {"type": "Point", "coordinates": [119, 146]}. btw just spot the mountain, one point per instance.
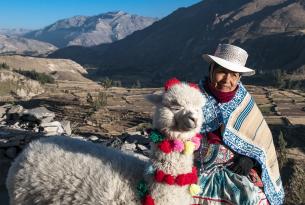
{"type": "Point", "coordinates": [91, 30]}
{"type": "Point", "coordinates": [14, 31]}
{"type": "Point", "coordinates": [272, 31]}
{"type": "Point", "coordinates": [23, 46]}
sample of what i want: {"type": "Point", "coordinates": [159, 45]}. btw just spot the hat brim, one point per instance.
{"type": "Point", "coordinates": [244, 71]}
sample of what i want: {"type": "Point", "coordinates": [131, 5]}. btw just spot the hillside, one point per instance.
{"type": "Point", "coordinates": [59, 69]}
{"type": "Point", "coordinates": [272, 31]}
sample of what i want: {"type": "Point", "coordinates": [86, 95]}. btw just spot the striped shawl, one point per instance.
{"type": "Point", "coordinates": [247, 133]}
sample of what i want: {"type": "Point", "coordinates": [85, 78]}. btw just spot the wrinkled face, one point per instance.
{"type": "Point", "coordinates": [180, 109]}
{"type": "Point", "coordinates": [223, 79]}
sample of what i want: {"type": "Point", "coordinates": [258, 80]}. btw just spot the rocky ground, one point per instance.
{"type": "Point", "coordinates": [118, 117]}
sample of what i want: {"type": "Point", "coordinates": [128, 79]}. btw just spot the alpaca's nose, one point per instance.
{"type": "Point", "coordinates": [191, 119]}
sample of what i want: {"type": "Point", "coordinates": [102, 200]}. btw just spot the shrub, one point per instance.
{"type": "Point", "coordinates": [99, 101]}
{"type": "Point", "coordinates": [279, 78]}
{"type": "Point", "coordinates": [40, 77]}
{"type": "Point", "coordinates": [4, 66]}
{"type": "Point", "coordinates": [137, 84]}
{"type": "Point", "coordinates": [106, 83]}
{"type": "Point", "coordinates": [117, 83]}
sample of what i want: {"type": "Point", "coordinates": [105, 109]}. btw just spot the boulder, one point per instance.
{"type": "Point", "coordinates": [40, 114]}
{"type": "Point", "coordinates": [52, 128]}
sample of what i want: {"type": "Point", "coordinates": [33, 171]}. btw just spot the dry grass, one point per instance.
{"type": "Point", "coordinates": [9, 86]}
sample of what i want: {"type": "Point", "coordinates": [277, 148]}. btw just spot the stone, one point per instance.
{"type": "Point", "coordinates": [142, 147]}
{"type": "Point", "coordinates": [47, 119]}
{"type": "Point", "coordinates": [9, 144]}
{"type": "Point", "coordinates": [40, 113]}
{"type": "Point", "coordinates": [15, 109]}
{"type": "Point", "coordinates": [140, 139]}
{"type": "Point", "coordinates": [115, 143]}
{"type": "Point", "coordinates": [90, 123]}
{"type": "Point", "coordinates": [93, 138]}
{"type": "Point", "coordinates": [128, 147]}
{"type": "Point", "coordinates": [52, 128]}
{"type": "Point", "coordinates": [14, 112]}
{"type": "Point", "coordinates": [78, 137]}
{"type": "Point", "coordinates": [2, 112]}
{"type": "Point", "coordinates": [66, 126]}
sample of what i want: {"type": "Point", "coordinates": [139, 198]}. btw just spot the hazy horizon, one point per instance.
{"type": "Point", "coordinates": [36, 14]}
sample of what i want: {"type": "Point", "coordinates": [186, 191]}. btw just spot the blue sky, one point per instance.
{"type": "Point", "coordinates": [34, 14]}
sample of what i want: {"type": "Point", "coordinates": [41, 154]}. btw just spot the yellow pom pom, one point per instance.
{"type": "Point", "coordinates": [194, 189]}
{"type": "Point", "coordinates": [189, 147]}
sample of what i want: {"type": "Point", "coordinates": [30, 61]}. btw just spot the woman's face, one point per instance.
{"type": "Point", "coordinates": [223, 79]}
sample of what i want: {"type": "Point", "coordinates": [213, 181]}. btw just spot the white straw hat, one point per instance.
{"type": "Point", "coordinates": [230, 57]}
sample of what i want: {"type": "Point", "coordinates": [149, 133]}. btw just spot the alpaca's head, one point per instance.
{"type": "Point", "coordinates": [179, 109]}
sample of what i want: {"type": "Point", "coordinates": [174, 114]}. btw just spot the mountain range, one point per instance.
{"type": "Point", "coordinates": [14, 44]}
{"type": "Point", "coordinates": [272, 31]}
{"type": "Point", "coordinates": [91, 30]}
{"type": "Point", "coordinates": [14, 31]}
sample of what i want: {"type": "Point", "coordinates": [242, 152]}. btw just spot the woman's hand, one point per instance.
{"type": "Point", "coordinates": [242, 165]}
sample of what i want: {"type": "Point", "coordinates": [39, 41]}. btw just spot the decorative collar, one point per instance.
{"type": "Point", "coordinates": [190, 178]}
{"type": "Point", "coordinates": [168, 146]}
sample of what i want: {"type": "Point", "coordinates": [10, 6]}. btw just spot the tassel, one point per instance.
{"type": "Point", "coordinates": [194, 189]}
{"type": "Point", "coordinates": [178, 146]}
{"type": "Point", "coordinates": [159, 176]}
{"type": "Point", "coordinates": [169, 179]}
{"type": "Point", "coordinates": [165, 146]}
{"type": "Point", "coordinates": [148, 200]}
{"type": "Point", "coordinates": [189, 148]}
{"type": "Point", "coordinates": [196, 141]}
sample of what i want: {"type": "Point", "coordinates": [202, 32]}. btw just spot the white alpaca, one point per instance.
{"type": "Point", "coordinates": [61, 170]}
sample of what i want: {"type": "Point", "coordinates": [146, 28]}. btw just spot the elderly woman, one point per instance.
{"type": "Point", "coordinates": [237, 159]}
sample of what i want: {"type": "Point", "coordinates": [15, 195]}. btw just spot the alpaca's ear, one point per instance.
{"type": "Point", "coordinates": [154, 99]}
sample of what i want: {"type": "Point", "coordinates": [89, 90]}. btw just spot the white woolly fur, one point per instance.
{"type": "Point", "coordinates": [66, 171]}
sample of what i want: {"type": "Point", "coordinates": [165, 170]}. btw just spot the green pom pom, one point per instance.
{"type": "Point", "coordinates": [156, 136]}
{"type": "Point", "coordinates": [142, 188]}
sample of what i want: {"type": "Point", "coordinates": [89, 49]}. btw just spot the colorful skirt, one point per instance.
{"type": "Point", "coordinates": [219, 185]}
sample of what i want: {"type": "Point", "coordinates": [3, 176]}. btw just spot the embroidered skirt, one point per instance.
{"type": "Point", "coordinates": [220, 185]}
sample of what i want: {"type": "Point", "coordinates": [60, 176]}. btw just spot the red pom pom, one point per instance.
{"type": "Point", "coordinates": [165, 146]}
{"type": "Point", "coordinates": [189, 178]}
{"type": "Point", "coordinates": [192, 179]}
{"type": "Point", "coordinates": [169, 179]}
{"type": "Point", "coordinates": [159, 176]}
{"type": "Point", "coordinates": [170, 83]}
{"type": "Point", "coordinates": [193, 85]}
{"type": "Point", "coordinates": [148, 200]}
{"type": "Point", "coordinates": [180, 180]}
{"type": "Point", "coordinates": [199, 135]}
{"type": "Point", "coordinates": [194, 171]}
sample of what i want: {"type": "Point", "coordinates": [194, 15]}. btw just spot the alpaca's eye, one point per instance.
{"type": "Point", "coordinates": [175, 108]}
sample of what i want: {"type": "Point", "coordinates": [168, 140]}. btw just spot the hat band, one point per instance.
{"type": "Point", "coordinates": [231, 57]}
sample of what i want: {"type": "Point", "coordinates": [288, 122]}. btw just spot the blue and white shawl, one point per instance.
{"type": "Point", "coordinates": [247, 133]}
